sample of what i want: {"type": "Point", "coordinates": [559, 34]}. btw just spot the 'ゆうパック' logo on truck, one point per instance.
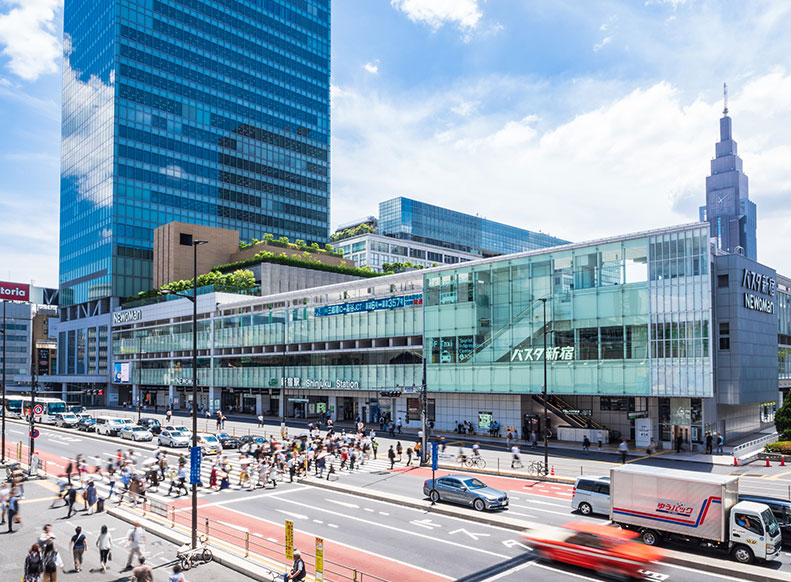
{"type": "Point", "coordinates": [674, 508]}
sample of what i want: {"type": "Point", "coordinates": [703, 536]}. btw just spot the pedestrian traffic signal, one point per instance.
{"type": "Point", "coordinates": [390, 393]}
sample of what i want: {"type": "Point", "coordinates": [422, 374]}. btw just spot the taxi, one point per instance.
{"type": "Point", "coordinates": [603, 548]}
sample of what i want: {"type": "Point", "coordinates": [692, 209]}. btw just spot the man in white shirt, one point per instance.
{"type": "Point", "coordinates": [135, 540]}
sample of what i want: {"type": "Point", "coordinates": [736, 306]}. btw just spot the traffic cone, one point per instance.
{"type": "Point", "coordinates": [735, 462]}
{"type": "Point", "coordinates": [782, 461]}
{"type": "Point", "coordinates": [767, 462]}
{"type": "Point", "coordinates": [553, 471]}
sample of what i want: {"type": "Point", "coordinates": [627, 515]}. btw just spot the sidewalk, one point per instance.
{"type": "Point", "coordinates": [556, 448]}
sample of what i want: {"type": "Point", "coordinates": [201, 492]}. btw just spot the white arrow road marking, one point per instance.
{"type": "Point", "coordinates": [514, 543]}
{"type": "Point", "coordinates": [294, 515]}
{"type": "Point", "coordinates": [343, 503]}
{"type": "Point", "coordinates": [426, 523]}
{"type": "Point", "coordinates": [474, 536]}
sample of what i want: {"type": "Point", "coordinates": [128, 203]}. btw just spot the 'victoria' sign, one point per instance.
{"type": "Point", "coordinates": [14, 291]}
{"type": "Point", "coordinates": [763, 284]}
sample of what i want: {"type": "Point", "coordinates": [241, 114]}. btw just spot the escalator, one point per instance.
{"type": "Point", "coordinates": [562, 410]}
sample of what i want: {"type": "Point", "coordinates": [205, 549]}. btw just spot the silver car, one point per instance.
{"type": "Point", "coordinates": [465, 490]}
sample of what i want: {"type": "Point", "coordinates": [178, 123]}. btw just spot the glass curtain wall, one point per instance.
{"type": "Point", "coordinates": [484, 325]}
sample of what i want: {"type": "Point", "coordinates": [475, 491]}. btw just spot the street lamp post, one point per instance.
{"type": "Point", "coordinates": [544, 392]}
{"type": "Point", "coordinates": [187, 240]}
{"type": "Point", "coordinates": [33, 366]}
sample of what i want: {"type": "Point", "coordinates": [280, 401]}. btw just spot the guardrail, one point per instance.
{"type": "Point", "coordinates": [753, 444]}
{"type": "Point", "coordinates": [250, 544]}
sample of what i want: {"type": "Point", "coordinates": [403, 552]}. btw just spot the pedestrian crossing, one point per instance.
{"type": "Point", "coordinates": [159, 493]}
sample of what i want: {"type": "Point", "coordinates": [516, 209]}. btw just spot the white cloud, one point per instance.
{"type": "Point", "coordinates": [29, 37]}
{"type": "Point", "coordinates": [372, 67]}
{"type": "Point", "coordinates": [465, 14]}
{"type": "Point", "coordinates": [637, 162]}
{"type": "Point", "coordinates": [600, 45]}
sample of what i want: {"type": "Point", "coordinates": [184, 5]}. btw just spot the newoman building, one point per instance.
{"type": "Point", "coordinates": [645, 335]}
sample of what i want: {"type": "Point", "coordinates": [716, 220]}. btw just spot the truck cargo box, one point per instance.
{"type": "Point", "coordinates": [681, 502]}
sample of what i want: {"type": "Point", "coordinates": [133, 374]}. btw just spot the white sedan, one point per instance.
{"type": "Point", "coordinates": [173, 438]}
{"type": "Point", "coordinates": [136, 433]}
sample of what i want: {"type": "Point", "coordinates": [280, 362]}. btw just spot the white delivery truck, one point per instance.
{"type": "Point", "coordinates": [685, 506]}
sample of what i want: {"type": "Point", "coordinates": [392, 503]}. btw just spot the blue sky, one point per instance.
{"type": "Point", "coordinates": [579, 118]}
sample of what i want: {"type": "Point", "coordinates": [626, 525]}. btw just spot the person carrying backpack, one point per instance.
{"type": "Point", "coordinates": [52, 562]}
{"type": "Point", "coordinates": [34, 565]}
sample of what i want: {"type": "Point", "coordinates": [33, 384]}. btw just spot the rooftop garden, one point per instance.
{"type": "Point", "coordinates": [358, 230]}
{"type": "Point", "coordinates": [306, 260]}
{"type": "Point", "coordinates": [298, 245]}
{"type": "Point", "coordinates": [239, 281]}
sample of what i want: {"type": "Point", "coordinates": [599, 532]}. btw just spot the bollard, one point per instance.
{"type": "Point", "coordinates": [207, 527]}
{"type": "Point", "coordinates": [246, 544]}
{"type": "Point", "coordinates": [582, 470]}
{"type": "Point", "coordinates": [498, 466]}
{"type": "Point", "coordinates": [354, 575]}
{"type": "Point", "coordinates": [172, 516]}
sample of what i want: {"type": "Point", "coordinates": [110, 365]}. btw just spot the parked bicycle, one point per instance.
{"type": "Point", "coordinates": [189, 557]}
{"type": "Point", "coordinates": [537, 468]}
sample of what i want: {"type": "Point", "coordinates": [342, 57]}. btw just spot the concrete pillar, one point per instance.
{"type": "Point", "coordinates": [64, 388]}
{"type": "Point", "coordinates": [171, 396]}
{"type": "Point", "coordinates": [212, 397]}
{"type": "Point", "coordinates": [281, 403]}
{"type": "Point", "coordinates": [135, 395]}
{"type": "Point", "coordinates": [259, 407]}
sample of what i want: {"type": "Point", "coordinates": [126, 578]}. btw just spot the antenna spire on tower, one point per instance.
{"type": "Point", "coordinates": [725, 98]}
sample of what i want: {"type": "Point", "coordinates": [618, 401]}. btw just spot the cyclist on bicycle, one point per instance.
{"type": "Point", "coordinates": [476, 450]}
{"type": "Point", "coordinates": [515, 456]}
{"type": "Point", "coordinates": [462, 457]}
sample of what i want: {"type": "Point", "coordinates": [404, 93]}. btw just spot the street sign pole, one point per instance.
{"type": "Point", "coordinates": [434, 463]}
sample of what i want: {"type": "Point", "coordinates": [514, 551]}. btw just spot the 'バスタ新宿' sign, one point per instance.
{"type": "Point", "coordinates": [761, 285]}
{"type": "Point", "coordinates": [537, 354]}
{"type": "Point", "coordinates": [370, 305]}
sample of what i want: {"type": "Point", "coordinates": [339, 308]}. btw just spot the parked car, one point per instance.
{"type": "Point", "coordinates": [465, 490]}
{"type": "Point", "coordinates": [182, 429]}
{"type": "Point", "coordinates": [66, 419]}
{"type": "Point", "coordinates": [109, 425]}
{"type": "Point", "coordinates": [136, 433]}
{"type": "Point", "coordinates": [172, 438]}
{"type": "Point", "coordinates": [591, 495]}
{"type": "Point", "coordinates": [87, 424]}
{"type": "Point", "coordinates": [209, 444]}
{"type": "Point", "coordinates": [597, 547]}
{"type": "Point", "coordinates": [781, 508]}
{"type": "Point", "coordinates": [227, 441]}
{"type": "Point", "coordinates": [151, 424]}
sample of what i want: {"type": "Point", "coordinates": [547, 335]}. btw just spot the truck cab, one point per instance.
{"type": "Point", "coordinates": [754, 532]}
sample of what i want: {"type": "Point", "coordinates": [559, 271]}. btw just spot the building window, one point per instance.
{"type": "Point", "coordinates": [722, 281]}
{"type": "Point", "coordinates": [725, 335]}
{"type": "Point", "coordinates": [417, 253]}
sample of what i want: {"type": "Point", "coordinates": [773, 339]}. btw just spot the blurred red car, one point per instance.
{"type": "Point", "coordinates": [606, 549]}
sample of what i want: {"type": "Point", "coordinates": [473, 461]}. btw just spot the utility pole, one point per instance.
{"type": "Point", "coordinates": [5, 405]}
{"type": "Point", "coordinates": [424, 413]}
{"type": "Point", "coordinates": [195, 244]}
{"type": "Point", "coordinates": [33, 365]}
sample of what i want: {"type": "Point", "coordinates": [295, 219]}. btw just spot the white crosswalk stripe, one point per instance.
{"type": "Point", "coordinates": [103, 486]}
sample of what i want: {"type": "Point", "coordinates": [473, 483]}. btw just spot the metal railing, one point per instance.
{"type": "Point", "coordinates": [756, 444]}
{"type": "Point", "coordinates": [265, 552]}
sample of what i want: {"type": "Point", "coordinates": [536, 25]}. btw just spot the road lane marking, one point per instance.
{"type": "Point", "coordinates": [509, 572]}
{"type": "Point", "coordinates": [248, 498]}
{"type": "Point", "coordinates": [344, 504]}
{"type": "Point", "coordinates": [565, 573]}
{"type": "Point", "coordinates": [399, 529]}
{"type": "Point", "coordinates": [291, 514]}
{"type": "Point", "coordinates": [666, 565]}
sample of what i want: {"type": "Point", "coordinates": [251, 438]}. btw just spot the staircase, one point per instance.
{"type": "Point", "coordinates": [557, 405]}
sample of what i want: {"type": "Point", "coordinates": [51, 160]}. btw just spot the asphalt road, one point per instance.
{"type": "Point", "coordinates": [391, 541]}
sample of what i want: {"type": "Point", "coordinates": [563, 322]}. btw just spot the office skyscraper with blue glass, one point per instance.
{"type": "Point", "coordinates": [210, 112]}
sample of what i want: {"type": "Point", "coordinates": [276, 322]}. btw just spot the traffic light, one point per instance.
{"type": "Point", "coordinates": [101, 392]}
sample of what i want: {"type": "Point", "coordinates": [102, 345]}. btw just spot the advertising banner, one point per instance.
{"type": "Point", "coordinates": [121, 373]}
{"type": "Point", "coordinates": [14, 291]}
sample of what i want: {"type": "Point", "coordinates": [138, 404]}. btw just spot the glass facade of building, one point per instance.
{"type": "Point", "coordinates": [412, 220]}
{"type": "Point", "coordinates": [322, 344]}
{"type": "Point", "coordinates": [784, 330]}
{"type": "Point", "coordinates": [209, 112]}
{"type": "Point", "coordinates": [624, 318]}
